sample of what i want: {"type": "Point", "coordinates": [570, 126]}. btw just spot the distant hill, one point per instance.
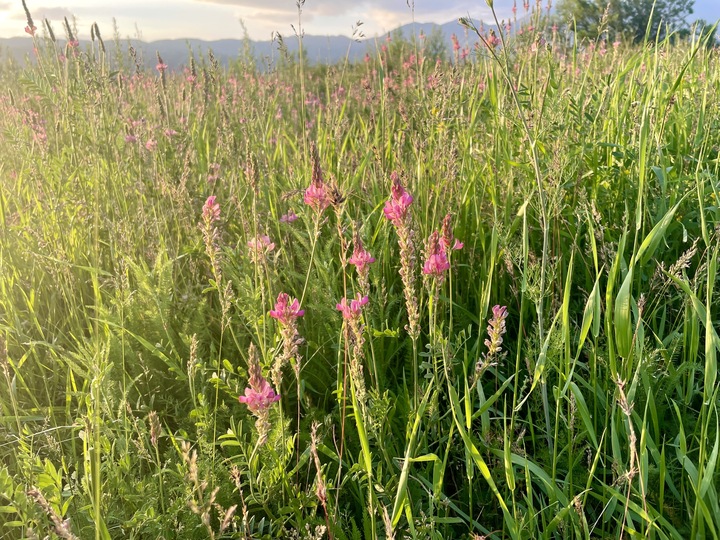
{"type": "Point", "coordinates": [319, 49]}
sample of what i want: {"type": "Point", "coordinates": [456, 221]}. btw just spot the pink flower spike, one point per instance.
{"type": "Point", "coordinates": [353, 310]}
{"type": "Point", "coordinates": [361, 258]}
{"type": "Point", "coordinates": [496, 329]}
{"type": "Point", "coordinates": [260, 246]}
{"type": "Point", "coordinates": [289, 217]}
{"type": "Point", "coordinates": [161, 67]}
{"type": "Point", "coordinates": [436, 264]}
{"type": "Point", "coordinates": [287, 309]}
{"type": "Point", "coordinates": [446, 238]}
{"type": "Point", "coordinates": [316, 197]}
{"type": "Point", "coordinates": [500, 312]}
{"type": "Point", "coordinates": [437, 261]}
{"type": "Point", "coordinates": [397, 207]}
{"type": "Point", "coordinates": [211, 209]}
{"type": "Point", "coordinates": [260, 398]}
{"type": "Point", "coordinates": [30, 29]}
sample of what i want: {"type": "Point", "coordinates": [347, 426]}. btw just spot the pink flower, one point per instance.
{"type": "Point", "coordinates": [170, 132]}
{"type": "Point", "coordinates": [455, 42]}
{"type": "Point", "coordinates": [316, 196]}
{"type": "Point", "coordinates": [496, 329]}
{"type": "Point", "coordinates": [211, 209]}
{"type": "Point", "coordinates": [361, 258]}
{"type": "Point", "coordinates": [436, 262]}
{"type": "Point", "coordinates": [30, 29]}
{"type": "Point", "coordinates": [447, 240]}
{"type": "Point", "coordinates": [161, 67]}
{"type": "Point", "coordinates": [397, 207]}
{"type": "Point", "coordinates": [353, 310]}
{"type": "Point", "coordinates": [151, 145]}
{"type": "Point", "coordinates": [289, 217]}
{"type": "Point", "coordinates": [130, 138]}
{"type": "Point", "coordinates": [259, 398]}
{"type": "Point", "coordinates": [287, 309]}
{"type": "Point", "coordinates": [260, 246]}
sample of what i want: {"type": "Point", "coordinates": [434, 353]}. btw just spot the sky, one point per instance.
{"type": "Point", "coordinates": [221, 19]}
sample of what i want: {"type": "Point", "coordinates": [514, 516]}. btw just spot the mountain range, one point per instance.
{"type": "Point", "coordinates": [318, 49]}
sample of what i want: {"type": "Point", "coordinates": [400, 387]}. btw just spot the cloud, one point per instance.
{"type": "Point", "coordinates": [324, 8]}
{"type": "Point", "coordinates": [378, 15]}
{"type": "Point", "coordinates": [42, 13]}
{"type": "Point", "coordinates": [335, 8]}
{"type": "Point", "coordinates": [53, 12]}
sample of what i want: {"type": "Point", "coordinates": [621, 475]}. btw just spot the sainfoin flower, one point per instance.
{"type": "Point", "coordinates": [496, 329]}
{"type": "Point", "coordinates": [317, 196]}
{"type": "Point", "coordinates": [352, 310]}
{"type": "Point", "coordinates": [211, 209]}
{"type": "Point", "coordinates": [447, 240]}
{"type": "Point", "coordinates": [260, 397]}
{"type": "Point", "coordinates": [436, 261]}
{"type": "Point", "coordinates": [361, 258]}
{"type": "Point", "coordinates": [400, 200]}
{"type": "Point", "coordinates": [287, 309]}
{"type": "Point", "coordinates": [289, 217]}
{"type": "Point", "coordinates": [260, 246]}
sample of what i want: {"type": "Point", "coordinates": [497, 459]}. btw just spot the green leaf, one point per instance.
{"type": "Point", "coordinates": [584, 413]}
{"type": "Point", "coordinates": [623, 325]}
{"type": "Point", "coordinates": [401, 496]}
{"type": "Point", "coordinates": [709, 469]}
{"type": "Point", "coordinates": [480, 462]}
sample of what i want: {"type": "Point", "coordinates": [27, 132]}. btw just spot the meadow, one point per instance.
{"type": "Point", "coordinates": [416, 296]}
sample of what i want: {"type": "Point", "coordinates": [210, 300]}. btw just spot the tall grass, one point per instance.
{"type": "Point", "coordinates": [582, 181]}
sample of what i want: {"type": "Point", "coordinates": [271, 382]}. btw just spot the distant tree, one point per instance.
{"type": "Point", "coordinates": [639, 17]}
{"type": "Point", "coordinates": [706, 31]}
{"type": "Point", "coordinates": [435, 46]}
{"type": "Point", "coordinates": [633, 19]}
{"type": "Point", "coordinates": [590, 18]}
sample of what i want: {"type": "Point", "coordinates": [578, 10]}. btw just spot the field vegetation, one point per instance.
{"type": "Point", "coordinates": [422, 296]}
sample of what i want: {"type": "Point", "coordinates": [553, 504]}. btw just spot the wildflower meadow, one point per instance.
{"type": "Point", "coordinates": [424, 295]}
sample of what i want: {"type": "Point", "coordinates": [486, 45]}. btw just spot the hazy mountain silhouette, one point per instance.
{"type": "Point", "coordinates": [318, 49]}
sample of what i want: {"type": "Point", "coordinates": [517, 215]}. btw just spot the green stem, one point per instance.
{"type": "Point", "coordinates": [312, 256]}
